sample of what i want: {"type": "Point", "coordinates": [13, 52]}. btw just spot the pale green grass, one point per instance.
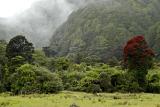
{"type": "Point", "coordinates": [65, 99]}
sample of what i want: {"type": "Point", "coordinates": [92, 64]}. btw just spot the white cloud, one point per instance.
{"type": "Point", "coordinates": [10, 8]}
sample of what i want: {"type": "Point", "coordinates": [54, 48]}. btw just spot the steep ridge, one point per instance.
{"type": "Point", "coordinates": [99, 30]}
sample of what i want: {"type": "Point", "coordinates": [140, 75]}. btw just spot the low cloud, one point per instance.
{"type": "Point", "coordinates": [40, 21]}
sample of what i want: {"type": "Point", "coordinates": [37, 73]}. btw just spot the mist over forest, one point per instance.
{"type": "Point", "coordinates": [39, 22]}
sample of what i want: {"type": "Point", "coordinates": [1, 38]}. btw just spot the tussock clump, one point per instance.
{"type": "Point", "coordinates": [74, 105]}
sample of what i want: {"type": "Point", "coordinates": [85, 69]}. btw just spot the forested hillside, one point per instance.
{"type": "Point", "coordinates": [99, 30]}
{"type": "Point", "coordinates": [105, 46]}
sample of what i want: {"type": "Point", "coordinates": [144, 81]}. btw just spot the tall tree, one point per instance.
{"type": "Point", "coordinates": [138, 57]}
{"type": "Point", "coordinates": [19, 46]}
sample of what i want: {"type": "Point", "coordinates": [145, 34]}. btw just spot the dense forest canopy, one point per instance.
{"type": "Point", "coordinates": [101, 28]}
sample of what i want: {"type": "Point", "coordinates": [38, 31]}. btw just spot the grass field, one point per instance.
{"type": "Point", "coordinates": [66, 99]}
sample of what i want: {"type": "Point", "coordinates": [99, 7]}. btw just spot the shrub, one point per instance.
{"type": "Point", "coordinates": [23, 80]}
{"type": "Point", "coordinates": [59, 64]}
{"type": "Point", "coordinates": [89, 84]}
{"type": "Point", "coordinates": [30, 79]}
{"type": "Point", "coordinates": [52, 86]}
{"type": "Point", "coordinates": [48, 82]}
{"type": "Point", "coordinates": [153, 78]}
{"type": "Point", "coordinates": [15, 62]}
{"type": "Point", "coordinates": [105, 82]}
{"type": "Point", "coordinates": [1, 87]}
{"type": "Point", "coordinates": [131, 83]}
{"type": "Point", "coordinates": [71, 80]}
{"type": "Point", "coordinates": [118, 82]}
{"type": "Point", "coordinates": [94, 88]}
{"type": "Point", "coordinates": [40, 58]}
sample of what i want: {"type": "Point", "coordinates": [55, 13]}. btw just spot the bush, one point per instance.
{"type": "Point", "coordinates": [30, 79]}
{"type": "Point", "coordinates": [48, 82]}
{"type": "Point", "coordinates": [59, 64]}
{"type": "Point", "coordinates": [105, 82]}
{"type": "Point", "coordinates": [94, 88]}
{"type": "Point", "coordinates": [51, 87]}
{"type": "Point", "coordinates": [23, 80]}
{"type": "Point", "coordinates": [40, 58]}
{"type": "Point", "coordinates": [125, 82]}
{"type": "Point", "coordinates": [1, 87]}
{"type": "Point", "coordinates": [153, 78]}
{"type": "Point", "coordinates": [153, 88]}
{"type": "Point", "coordinates": [89, 84]}
{"type": "Point", "coordinates": [15, 62]}
{"type": "Point", "coordinates": [131, 84]}
{"type": "Point", "coordinates": [118, 81]}
{"type": "Point", "coordinates": [71, 80]}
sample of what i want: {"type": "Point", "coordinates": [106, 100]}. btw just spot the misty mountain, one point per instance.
{"type": "Point", "coordinates": [101, 29]}
{"type": "Point", "coordinates": [40, 21]}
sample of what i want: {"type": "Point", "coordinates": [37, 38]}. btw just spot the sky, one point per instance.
{"type": "Point", "coordinates": [9, 8]}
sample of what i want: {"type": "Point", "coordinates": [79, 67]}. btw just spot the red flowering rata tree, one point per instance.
{"type": "Point", "coordinates": [138, 57]}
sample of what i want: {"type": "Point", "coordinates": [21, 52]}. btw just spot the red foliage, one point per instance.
{"type": "Point", "coordinates": [137, 50]}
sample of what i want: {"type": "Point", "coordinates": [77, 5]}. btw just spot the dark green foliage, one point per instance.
{"type": "Point", "coordinates": [71, 80]}
{"type": "Point", "coordinates": [15, 62]}
{"type": "Point", "coordinates": [153, 78]}
{"type": "Point", "coordinates": [3, 59]}
{"type": "Point", "coordinates": [105, 82]}
{"type": "Point", "coordinates": [3, 52]}
{"type": "Point", "coordinates": [130, 84]}
{"type": "Point", "coordinates": [9, 69]}
{"type": "Point", "coordinates": [89, 84]}
{"type": "Point", "coordinates": [1, 87]}
{"type": "Point", "coordinates": [19, 46]}
{"type": "Point", "coordinates": [40, 58]}
{"type": "Point", "coordinates": [59, 64]}
{"type": "Point", "coordinates": [97, 79]}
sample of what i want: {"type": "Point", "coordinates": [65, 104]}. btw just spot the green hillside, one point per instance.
{"type": "Point", "coordinates": [99, 31]}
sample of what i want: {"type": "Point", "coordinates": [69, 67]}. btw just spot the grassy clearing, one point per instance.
{"type": "Point", "coordinates": [66, 99]}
